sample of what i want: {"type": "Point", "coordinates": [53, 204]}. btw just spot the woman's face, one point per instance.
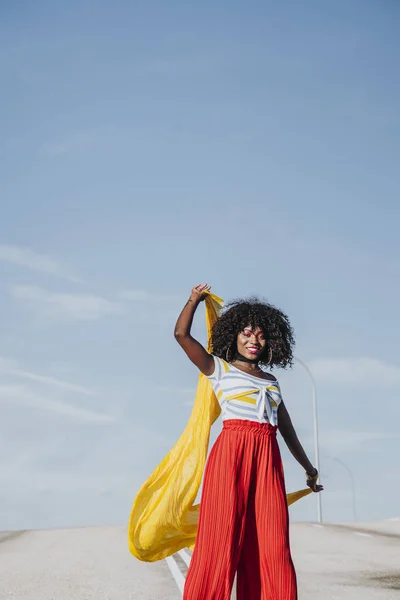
{"type": "Point", "coordinates": [251, 342]}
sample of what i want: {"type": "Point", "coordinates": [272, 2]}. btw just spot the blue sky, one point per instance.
{"type": "Point", "coordinates": [150, 146]}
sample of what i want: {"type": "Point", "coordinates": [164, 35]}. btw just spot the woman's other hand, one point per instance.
{"type": "Point", "coordinates": [312, 481]}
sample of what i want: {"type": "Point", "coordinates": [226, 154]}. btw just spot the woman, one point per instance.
{"type": "Point", "coordinates": [243, 524]}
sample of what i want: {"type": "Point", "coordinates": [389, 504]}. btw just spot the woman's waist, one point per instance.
{"type": "Point", "coordinates": [247, 425]}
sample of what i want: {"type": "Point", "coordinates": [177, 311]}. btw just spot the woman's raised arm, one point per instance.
{"type": "Point", "coordinates": [194, 350]}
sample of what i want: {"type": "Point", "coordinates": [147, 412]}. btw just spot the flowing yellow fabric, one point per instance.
{"type": "Point", "coordinates": [164, 517]}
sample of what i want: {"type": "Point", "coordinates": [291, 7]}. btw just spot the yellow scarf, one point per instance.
{"type": "Point", "coordinates": [164, 517]}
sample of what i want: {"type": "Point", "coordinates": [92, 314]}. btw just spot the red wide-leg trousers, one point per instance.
{"type": "Point", "coordinates": [244, 523]}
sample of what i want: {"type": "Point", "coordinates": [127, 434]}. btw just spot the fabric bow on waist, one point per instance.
{"type": "Point", "coordinates": [267, 401]}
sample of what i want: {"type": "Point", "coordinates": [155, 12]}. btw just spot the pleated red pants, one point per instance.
{"type": "Point", "coordinates": [244, 523]}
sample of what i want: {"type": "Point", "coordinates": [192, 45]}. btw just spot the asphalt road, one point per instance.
{"type": "Point", "coordinates": [343, 563]}
{"type": "Point", "coordinates": [332, 562]}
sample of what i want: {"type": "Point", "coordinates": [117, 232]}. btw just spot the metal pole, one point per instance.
{"type": "Point", "coordinates": [353, 487]}
{"type": "Point", "coordinates": [316, 441]}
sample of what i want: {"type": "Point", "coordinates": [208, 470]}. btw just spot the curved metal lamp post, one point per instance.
{"type": "Point", "coordinates": [316, 440]}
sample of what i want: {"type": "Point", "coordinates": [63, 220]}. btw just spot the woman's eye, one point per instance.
{"type": "Point", "coordinates": [247, 333]}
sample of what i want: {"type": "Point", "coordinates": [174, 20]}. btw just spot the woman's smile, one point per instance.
{"type": "Point", "coordinates": [253, 349]}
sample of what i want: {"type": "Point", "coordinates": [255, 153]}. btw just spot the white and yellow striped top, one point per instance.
{"type": "Point", "coordinates": [244, 396]}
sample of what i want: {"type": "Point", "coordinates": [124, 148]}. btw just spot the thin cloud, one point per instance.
{"type": "Point", "coordinates": [22, 395]}
{"type": "Point", "coordinates": [136, 295]}
{"type": "Point", "coordinates": [344, 439]}
{"type": "Point", "coordinates": [66, 305]}
{"type": "Point", "coordinates": [10, 367]}
{"type": "Point", "coordinates": [186, 395]}
{"type": "Point", "coordinates": [176, 390]}
{"type": "Point", "coordinates": [145, 296]}
{"type": "Point", "coordinates": [67, 145]}
{"type": "Point", "coordinates": [29, 259]}
{"type": "Point", "coordinates": [355, 371]}
{"type": "Point", "coordinates": [53, 381]}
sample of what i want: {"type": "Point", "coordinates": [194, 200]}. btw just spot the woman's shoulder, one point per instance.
{"type": "Point", "coordinates": [271, 377]}
{"type": "Point", "coordinates": [220, 367]}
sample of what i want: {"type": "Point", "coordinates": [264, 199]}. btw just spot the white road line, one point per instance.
{"type": "Point", "coordinates": [185, 556]}
{"type": "Point", "coordinates": [176, 573]}
{"type": "Point", "coordinates": [362, 534]}
{"type": "Point", "coordinates": [319, 526]}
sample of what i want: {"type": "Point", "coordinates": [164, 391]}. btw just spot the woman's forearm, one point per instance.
{"type": "Point", "coordinates": [194, 350]}
{"type": "Point", "coordinates": [292, 441]}
{"type": "Point", "coordinates": [297, 450]}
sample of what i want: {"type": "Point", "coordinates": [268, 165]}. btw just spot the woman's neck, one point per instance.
{"type": "Point", "coordinates": [251, 363]}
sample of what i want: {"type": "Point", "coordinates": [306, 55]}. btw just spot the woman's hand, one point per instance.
{"type": "Point", "coordinates": [198, 293]}
{"type": "Point", "coordinates": [312, 481]}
